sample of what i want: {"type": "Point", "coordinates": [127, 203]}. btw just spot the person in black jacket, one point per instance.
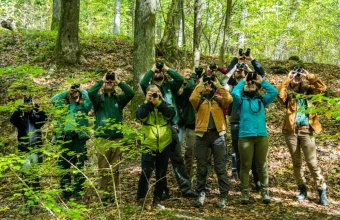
{"type": "Point", "coordinates": [28, 120]}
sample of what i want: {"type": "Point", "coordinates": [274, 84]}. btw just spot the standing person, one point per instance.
{"type": "Point", "coordinates": [155, 115]}
{"type": "Point", "coordinates": [72, 131]}
{"type": "Point", "coordinates": [299, 127]}
{"type": "Point", "coordinates": [208, 99]}
{"type": "Point", "coordinates": [108, 108]}
{"type": "Point", "coordinates": [188, 118]}
{"type": "Point", "coordinates": [168, 88]}
{"type": "Point", "coordinates": [253, 140]}
{"type": "Point", "coordinates": [29, 120]}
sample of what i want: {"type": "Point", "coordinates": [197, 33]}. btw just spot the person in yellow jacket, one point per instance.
{"type": "Point", "coordinates": [155, 115]}
{"type": "Point", "coordinates": [299, 127]}
{"type": "Point", "coordinates": [209, 98]}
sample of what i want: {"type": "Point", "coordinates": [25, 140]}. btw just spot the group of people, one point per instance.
{"type": "Point", "coordinates": [183, 120]}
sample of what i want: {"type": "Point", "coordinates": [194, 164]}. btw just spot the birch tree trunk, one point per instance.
{"type": "Point", "coordinates": [67, 48]}
{"type": "Point", "coordinates": [197, 32]}
{"type": "Point", "coordinates": [116, 27]}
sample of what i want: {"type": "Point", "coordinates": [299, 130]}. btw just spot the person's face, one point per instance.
{"type": "Point", "coordinates": [186, 73]}
{"type": "Point", "coordinates": [74, 94]}
{"type": "Point", "coordinates": [239, 74]}
{"type": "Point", "coordinates": [108, 85]}
{"type": "Point", "coordinates": [242, 59]}
{"type": "Point", "coordinates": [250, 86]}
{"type": "Point", "coordinates": [159, 76]}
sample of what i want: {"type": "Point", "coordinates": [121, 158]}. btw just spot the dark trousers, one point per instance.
{"type": "Point", "coordinates": [237, 162]}
{"type": "Point", "coordinates": [150, 161]}
{"type": "Point", "coordinates": [75, 153]}
{"type": "Point", "coordinates": [211, 140]}
{"type": "Point", "coordinates": [182, 177]}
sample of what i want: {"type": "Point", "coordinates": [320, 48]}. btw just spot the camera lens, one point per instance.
{"type": "Point", "coordinates": [154, 95]}
{"type": "Point", "coordinates": [159, 65]}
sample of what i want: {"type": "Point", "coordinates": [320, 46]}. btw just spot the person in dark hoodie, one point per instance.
{"type": "Point", "coordinates": [108, 108]}
{"type": "Point", "coordinates": [29, 120]}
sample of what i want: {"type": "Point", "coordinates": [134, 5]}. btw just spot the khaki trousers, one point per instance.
{"type": "Point", "coordinates": [108, 165]}
{"type": "Point", "coordinates": [304, 141]}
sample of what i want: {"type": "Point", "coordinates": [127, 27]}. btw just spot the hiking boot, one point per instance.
{"type": "Point", "coordinates": [258, 186]}
{"type": "Point", "coordinates": [303, 193]}
{"type": "Point", "coordinates": [245, 197]}
{"type": "Point", "coordinates": [156, 203]}
{"type": "Point", "coordinates": [265, 196]}
{"type": "Point", "coordinates": [200, 199]}
{"type": "Point", "coordinates": [190, 194]}
{"type": "Point", "coordinates": [221, 203]}
{"type": "Point", "coordinates": [323, 197]}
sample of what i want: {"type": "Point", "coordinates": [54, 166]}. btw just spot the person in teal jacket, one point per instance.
{"type": "Point", "coordinates": [155, 115]}
{"type": "Point", "coordinates": [108, 108]}
{"type": "Point", "coordinates": [253, 140]}
{"type": "Point", "coordinates": [72, 132]}
{"type": "Point", "coordinates": [168, 88]}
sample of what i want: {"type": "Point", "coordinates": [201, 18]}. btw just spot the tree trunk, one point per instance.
{"type": "Point", "coordinates": [116, 27]}
{"type": "Point", "coordinates": [144, 44]}
{"type": "Point", "coordinates": [144, 37]}
{"type": "Point", "coordinates": [169, 43]}
{"type": "Point", "coordinates": [197, 32]}
{"type": "Point", "coordinates": [67, 48]}
{"type": "Point", "coordinates": [225, 33]}
{"type": "Point", "coordinates": [56, 14]}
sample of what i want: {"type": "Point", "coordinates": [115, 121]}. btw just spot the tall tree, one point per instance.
{"type": "Point", "coordinates": [169, 42]}
{"type": "Point", "coordinates": [144, 36]}
{"type": "Point", "coordinates": [67, 49]}
{"type": "Point", "coordinates": [56, 14]}
{"type": "Point", "coordinates": [116, 27]}
{"type": "Point", "coordinates": [197, 31]}
{"type": "Point", "coordinates": [225, 32]}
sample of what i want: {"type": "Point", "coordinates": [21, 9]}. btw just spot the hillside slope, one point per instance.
{"type": "Point", "coordinates": [26, 65]}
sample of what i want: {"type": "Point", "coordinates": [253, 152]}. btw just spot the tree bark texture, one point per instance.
{"type": "Point", "coordinates": [116, 27]}
{"type": "Point", "coordinates": [144, 37]}
{"type": "Point", "coordinates": [56, 14]}
{"type": "Point", "coordinates": [225, 33]}
{"type": "Point", "coordinates": [197, 32]}
{"type": "Point", "coordinates": [67, 49]}
{"type": "Point", "coordinates": [172, 26]}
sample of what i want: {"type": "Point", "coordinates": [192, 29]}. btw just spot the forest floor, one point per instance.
{"type": "Point", "coordinates": [36, 49]}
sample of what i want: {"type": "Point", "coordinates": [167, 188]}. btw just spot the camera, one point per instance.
{"type": "Point", "coordinates": [240, 51]}
{"type": "Point", "coordinates": [28, 100]}
{"type": "Point", "coordinates": [208, 78]}
{"type": "Point", "coordinates": [251, 76]}
{"type": "Point", "coordinates": [159, 66]}
{"type": "Point", "coordinates": [155, 95]}
{"type": "Point", "coordinates": [199, 71]}
{"type": "Point", "coordinates": [110, 76]}
{"type": "Point", "coordinates": [241, 66]}
{"type": "Point", "coordinates": [213, 66]}
{"type": "Point", "coordinates": [75, 86]}
{"type": "Point", "coordinates": [247, 52]}
{"type": "Point", "coordinates": [298, 70]}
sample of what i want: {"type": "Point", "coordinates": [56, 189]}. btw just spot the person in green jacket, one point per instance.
{"type": "Point", "coordinates": [155, 115]}
{"type": "Point", "coordinates": [108, 108]}
{"type": "Point", "coordinates": [169, 87]}
{"type": "Point", "coordinates": [72, 131]}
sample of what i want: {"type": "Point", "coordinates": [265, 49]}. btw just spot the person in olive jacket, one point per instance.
{"type": "Point", "coordinates": [108, 108]}
{"type": "Point", "coordinates": [72, 107]}
{"type": "Point", "coordinates": [155, 115]}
